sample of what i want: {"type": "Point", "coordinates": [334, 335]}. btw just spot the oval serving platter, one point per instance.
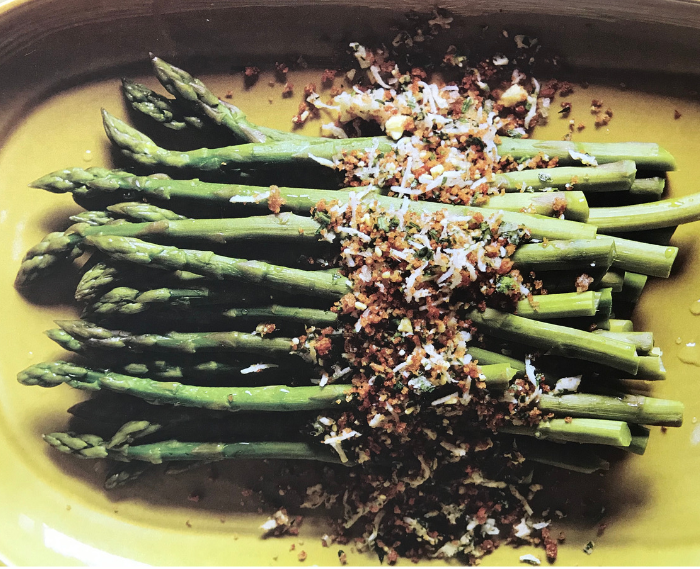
{"type": "Point", "coordinates": [60, 61]}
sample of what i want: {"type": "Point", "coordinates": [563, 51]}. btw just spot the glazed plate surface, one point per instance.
{"type": "Point", "coordinates": [54, 510]}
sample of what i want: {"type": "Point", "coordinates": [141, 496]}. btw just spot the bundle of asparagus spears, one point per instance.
{"type": "Point", "coordinates": [453, 315]}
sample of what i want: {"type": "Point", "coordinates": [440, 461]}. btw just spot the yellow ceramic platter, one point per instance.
{"type": "Point", "coordinates": [53, 510]}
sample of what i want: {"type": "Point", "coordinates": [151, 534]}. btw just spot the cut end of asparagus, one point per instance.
{"type": "Point", "coordinates": [640, 439]}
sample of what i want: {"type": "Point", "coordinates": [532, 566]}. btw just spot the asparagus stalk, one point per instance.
{"type": "Point", "coordinates": [633, 285]}
{"type": "Point", "coordinates": [640, 439]}
{"type": "Point", "coordinates": [99, 181]}
{"type": "Point", "coordinates": [57, 247]}
{"type": "Point", "coordinates": [647, 156]}
{"type": "Point", "coordinates": [328, 284]}
{"type": "Point", "coordinates": [286, 226]}
{"type": "Point", "coordinates": [605, 301]}
{"type": "Point", "coordinates": [131, 211]}
{"type": "Point", "coordinates": [587, 431]}
{"type": "Point", "coordinates": [643, 217]}
{"type": "Point", "coordinates": [650, 187]}
{"type": "Point", "coordinates": [563, 255]}
{"type": "Point", "coordinates": [614, 280]}
{"type": "Point", "coordinates": [194, 94]}
{"type": "Point", "coordinates": [628, 408]}
{"type": "Point", "coordinates": [101, 277]}
{"type": "Point", "coordinates": [545, 203]}
{"type": "Point", "coordinates": [264, 398]}
{"type": "Point", "coordinates": [572, 457]}
{"type": "Point", "coordinates": [486, 357]}
{"type": "Point", "coordinates": [645, 258]}
{"type": "Point", "coordinates": [159, 108]}
{"type": "Point", "coordinates": [143, 150]}
{"type": "Point", "coordinates": [66, 341]}
{"type": "Point", "coordinates": [616, 325]}
{"type": "Point", "coordinates": [139, 211]}
{"type": "Point", "coordinates": [563, 305]}
{"type": "Point", "coordinates": [128, 301]}
{"type": "Point", "coordinates": [644, 341]}
{"type": "Point", "coordinates": [96, 217]}
{"type": "Point", "coordinates": [324, 284]}
{"type": "Point", "coordinates": [616, 176]}
{"type": "Point", "coordinates": [558, 340]}
{"type": "Point", "coordinates": [93, 336]}
{"type": "Point", "coordinates": [307, 151]}
{"type": "Point", "coordinates": [651, 368]}
{"type": "Point", "coordinates": [91, 446]}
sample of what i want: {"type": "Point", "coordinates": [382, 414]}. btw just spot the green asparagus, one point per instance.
{"type": "Point", "coordinates": [557, 339]}
{"type": "Point", "coordinates": [157, 107]}
{"type": "Point", "coordinates": [143, 150]}
{"type": "Point", "coordinates": [628, 408]}
{"type": "Point", "coordinates": [100, 181]}
{"type": "Point", "coordinates": [643, 217]}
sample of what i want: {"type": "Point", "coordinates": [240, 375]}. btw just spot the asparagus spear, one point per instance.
{"type": "Point", "coordinates": [628, 408]}
{"type": "Point", "coordinates": [139, 211]}
{"type": "Point", "coordinates": [66, 341]}
{"type": "Point", "coordinates": [125, 300]}
{"type": "Point", "coordinates": [102, 277]}
{"type": "Point", "coordinates": [305, 151]}
{"type": "Point", "coordinates": [642, 217]}
{"type": "Point", "coordinates": [131, 211]}
{"type": "Point", "coordinates": [587, 431]}
{"type": "Point", "coordinates": [285, 226]}
{"type": "Point", "coordinates": [614, 280]}
{"type": "Point", "coordinates": [616, 176]}
{"type": "Point", "coordinates": [640, 439]}
{"type": "Point", "coordinates": [128, 300]}
{"type": "Point", "coordinates": [265, 398]}
{"type": "Point", "coordinates": [605, 300]}
{"type": "Point", "coordinates": [55, 248]}
{"type": "Point", "coordinates": [143, 150]}
{"type": "Point", "coordinates": [91, 446]}
{"type": "Point", "coordinates": [159, 108]}
{"type": "Point", "coordinates": [96, 217]}
{"type": "Point", "coordinates": [93, 336]}
{"type": "Point", "coordinates": [193, 93]}
{"type": "Point", "coordinates": [61, 247]}
{"type": "Point", "coordinates": [557, 339]}
{"type": "Point", "coordinates": [644, 341]}
{"type": "Point", "coordinates": [573, 457]}
{"type": "Point", "coordinates": [647, 156]}
{"type": "Point", "coordinates": [645, 258]}
{"type": "Point", "coordinates": [324, 284]}
{"type": "Point", "coordinates": [633, 285]}
{"type": "Point", "coordinates": [98, 181]}
{"type": "Point", "coordinates": [616, 325]}
{"type": "Point", "coordinates": [652, 187]}
{"type": "Point", "coordinates": [183, 85]}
